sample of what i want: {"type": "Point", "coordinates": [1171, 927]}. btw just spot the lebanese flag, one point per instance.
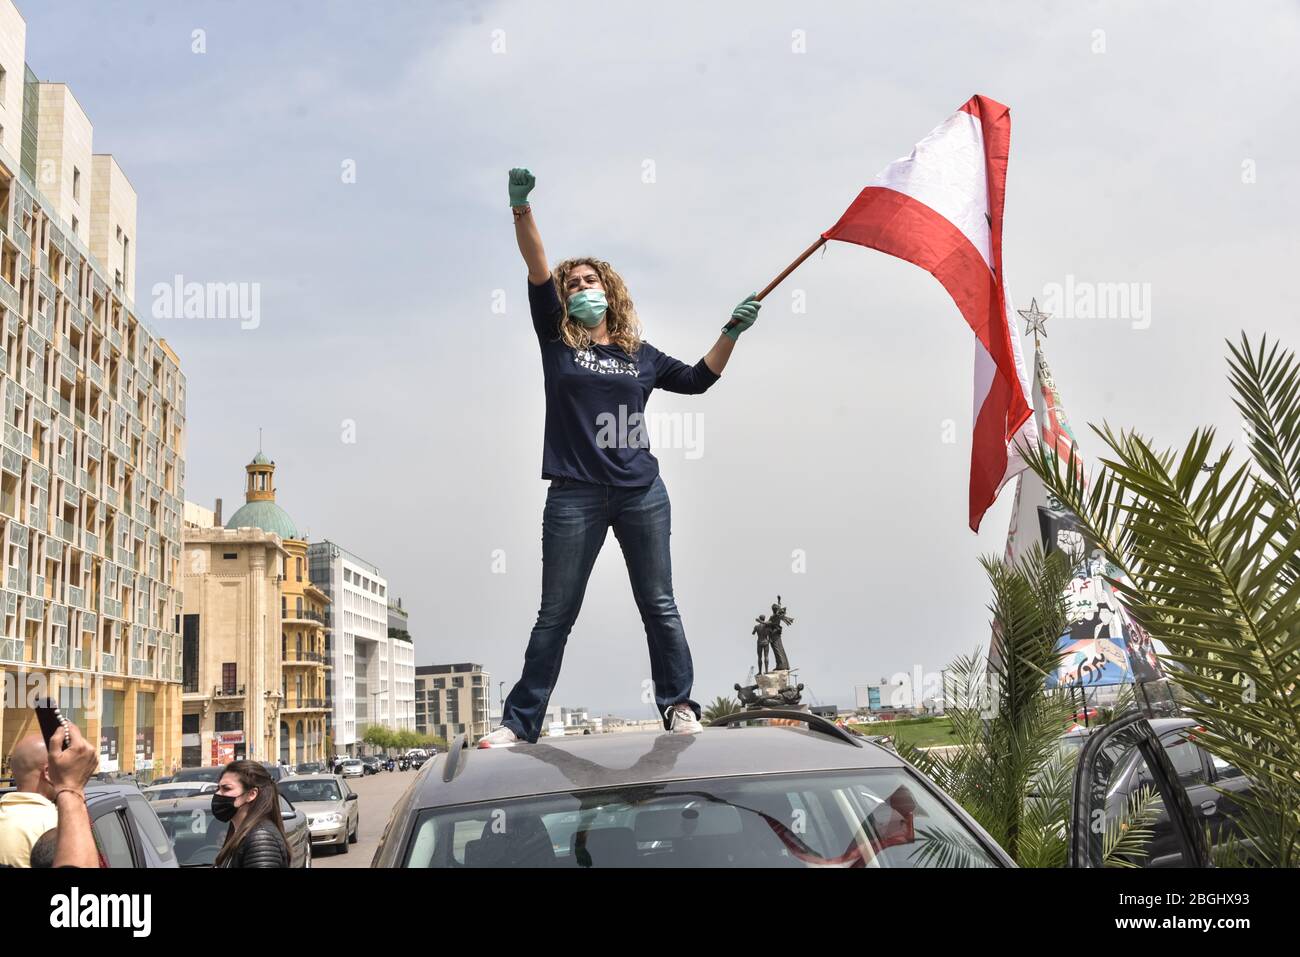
{"type": "Point", "coordinates": [941, 208]}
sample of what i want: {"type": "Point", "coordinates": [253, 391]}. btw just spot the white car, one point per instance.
{"type": "Point", "coordinates": [183, 789]}
{"type": "Point", "coordinates": [351, 768]}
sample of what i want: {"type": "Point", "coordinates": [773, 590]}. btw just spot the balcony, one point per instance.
{"type": "Point", "coordinates": [141, 667]}
{"type": "Point", "coordinates": [294, 617]}
{"type": "Point", "coordinates": [304, 658]}
{"type": "Point", "coordinates": [228, 691]}
{"type": "Point", "coordinates": [304, 704]}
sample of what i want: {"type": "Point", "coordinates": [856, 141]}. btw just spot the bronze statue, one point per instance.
{"type": "Point", "coordinates": [776, 691]}
{"type": "Point", "coordinates": [762, 629]}
{"type": "Point", "coordinates": [779, 617]}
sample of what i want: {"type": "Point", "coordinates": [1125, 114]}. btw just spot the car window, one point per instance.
{"type": "Point", "coordinates": [872, 818]}
{"type": "Point", "coordinates": [196, 835]}
{"type": "Point", "coordinates": [310, 790]}
{"type": "Point", "coordinates": [1186, 759]}
{"type": "Point", "coordinates": [113, 841]}
{"type": "Point", "coordinates": [1222, 769]}
{"type": "Point", "coordinates": [150, 830]}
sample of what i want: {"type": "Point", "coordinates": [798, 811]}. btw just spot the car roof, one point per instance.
{"type": "Point", "coordinates": [102, 790]}
{"type": "Point", "coordinates": [313, 777]}
{"type": "Point", "coordinates": [1161, 725]}
{"type": "Point", "coordinates": [577, 762]}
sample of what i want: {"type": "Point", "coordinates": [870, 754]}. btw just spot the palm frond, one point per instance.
{"type": "Point", "coordinates": [1128, 836]}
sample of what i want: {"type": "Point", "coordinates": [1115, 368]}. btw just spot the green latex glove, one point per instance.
{"type": "Point", "coordinates": [742, 317]}
{"type": "Point", "coordinates": [521, 183]}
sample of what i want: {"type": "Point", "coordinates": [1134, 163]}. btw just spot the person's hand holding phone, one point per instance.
{"type": "Point", "coordinates": [71, 763]}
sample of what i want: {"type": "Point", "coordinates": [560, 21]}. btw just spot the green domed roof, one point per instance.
{"type": "Point", "coordinates": [260, 459]}
{"type": "Point", "coordinates": [265, 515]}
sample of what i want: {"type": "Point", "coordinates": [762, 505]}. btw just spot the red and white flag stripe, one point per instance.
{"type": "Point", "coordinates": [941, 208]}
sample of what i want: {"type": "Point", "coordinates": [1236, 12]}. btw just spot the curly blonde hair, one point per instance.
{"type": "Point", "coordinates": [620, 315]}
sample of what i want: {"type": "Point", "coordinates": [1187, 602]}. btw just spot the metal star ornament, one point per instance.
{"type": "Point", "coordinates": [1034, 319]}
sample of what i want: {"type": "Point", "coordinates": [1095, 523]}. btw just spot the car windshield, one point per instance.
{"type": "Point", "coordinates": [868, 818]}
{"type": "Point", "coordinates": [298, 791]}
{"type": "Point", "coordinates": [199, 774]}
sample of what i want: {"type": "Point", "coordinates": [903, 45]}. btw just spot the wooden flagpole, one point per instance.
{"type": "Point", "coordinates": [821, 240]}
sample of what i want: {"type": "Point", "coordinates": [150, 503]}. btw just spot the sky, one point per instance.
{"type": "Point", "coordinates": [349, 163]}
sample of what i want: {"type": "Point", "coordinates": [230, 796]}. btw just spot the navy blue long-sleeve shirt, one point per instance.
{"type": "Point", "coordinates": [596, 397]}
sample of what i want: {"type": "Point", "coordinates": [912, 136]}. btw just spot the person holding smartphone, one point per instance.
{"type": "Point", "coordinates": [598, 374]}
{"type": "Point", "coordinates": [50, 791]}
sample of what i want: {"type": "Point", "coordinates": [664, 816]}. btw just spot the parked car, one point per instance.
{"type": "Point", "coordinates": [1200, 775]}
{"type": "Point", "coordinates": [351, 768]}
{"type": "Point", "coordinates": [127, 831]}
{"type": "Point", "coordinates": [792, 795]}
{"type": "Point", "coordinates": [197, 836]}
{"type": "Point", "coordinates": [332, 808]}
{"type": "Point", "coordinates": [161, 792]}
{"type": "Point", "coordinates": [370, 765]}
{"type": "Point", "coordinates": [312, 767]}
{"type": "Point", "coordinates": [115, 777]}
{"type": "Point", "coordinates": [210, 772]}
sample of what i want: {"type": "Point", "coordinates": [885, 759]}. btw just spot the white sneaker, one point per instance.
{"type": "Point", "coordinates": [683, 719]}
{"type": "Point", "coordinates": [502, 737]}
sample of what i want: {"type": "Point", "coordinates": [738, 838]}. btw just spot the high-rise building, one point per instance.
{"type": "Point", "coordinates": [372, 674]}
{"type": "Point", "coordinates": [92, 467]}
{"type": "Point", "coordinates": [451, 700]}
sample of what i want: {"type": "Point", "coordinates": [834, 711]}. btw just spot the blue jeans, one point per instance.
{"type": "Point", "coordinates": [574, 525]}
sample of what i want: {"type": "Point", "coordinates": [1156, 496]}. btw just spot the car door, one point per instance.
{"type": "Point", "coordinates": [295, 832]}
{"type": "Point", "coordinates": [1229, 785]}
{"type": "Point", "coordinates": [353, 805]}
{"type": "Point", "coordinates": [113, 837]}
{"type": "Point", "coordinates": [1099, 803]}
{"type": "Point", "coordinates": [153, 846]}
{"type": "Point", "coordinates": [1193, 769]}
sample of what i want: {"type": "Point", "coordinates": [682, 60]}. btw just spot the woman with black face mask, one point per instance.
{"type": "Point", "coordinates": [247, 799]}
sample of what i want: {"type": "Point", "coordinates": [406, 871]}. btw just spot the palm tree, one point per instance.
{"type": "Point", "coordinates": [1007, 727]}
{"type": "Point", "coordinates": [1209, 553]}
{"type": "Point", "coordinates": [721, 707]}
{"type": "Point", "coordinates": [1009, 770]}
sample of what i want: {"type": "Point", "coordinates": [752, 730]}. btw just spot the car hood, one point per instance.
{"type": "Point", "coordinates": [320, 807]}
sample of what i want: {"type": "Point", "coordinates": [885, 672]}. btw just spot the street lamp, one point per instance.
{"type": "Point", "coordinates": [372, 703]}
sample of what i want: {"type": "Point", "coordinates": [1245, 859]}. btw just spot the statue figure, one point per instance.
{"type": "Point", "coordinates": [779, 617]}
{"type": "Point", "coordinates": [763, 630]}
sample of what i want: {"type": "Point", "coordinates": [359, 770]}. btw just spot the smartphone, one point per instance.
{"type": "Point", "coordinates": [51, 721]}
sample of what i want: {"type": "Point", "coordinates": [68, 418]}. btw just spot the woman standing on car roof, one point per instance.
{"type": "Point", "coordinates": [247, 799]}
{"type": "Point", "coordinates": [598, 374]}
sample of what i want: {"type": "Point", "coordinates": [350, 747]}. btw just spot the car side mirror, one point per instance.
{"type": "Point", "coordinates": [351, 797]}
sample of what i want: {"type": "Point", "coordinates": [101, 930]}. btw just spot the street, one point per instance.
{"type": "Point", "coordinates": [377, 793]}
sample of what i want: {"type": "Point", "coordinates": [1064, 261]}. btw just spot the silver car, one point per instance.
{"type": "Point", "coordinates": [332, 808]}
{"type": "Point", "coordinates": [197, 836]}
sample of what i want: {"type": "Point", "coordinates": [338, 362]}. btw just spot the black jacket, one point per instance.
{"type": "Point", "coordinates": [261, 847]}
